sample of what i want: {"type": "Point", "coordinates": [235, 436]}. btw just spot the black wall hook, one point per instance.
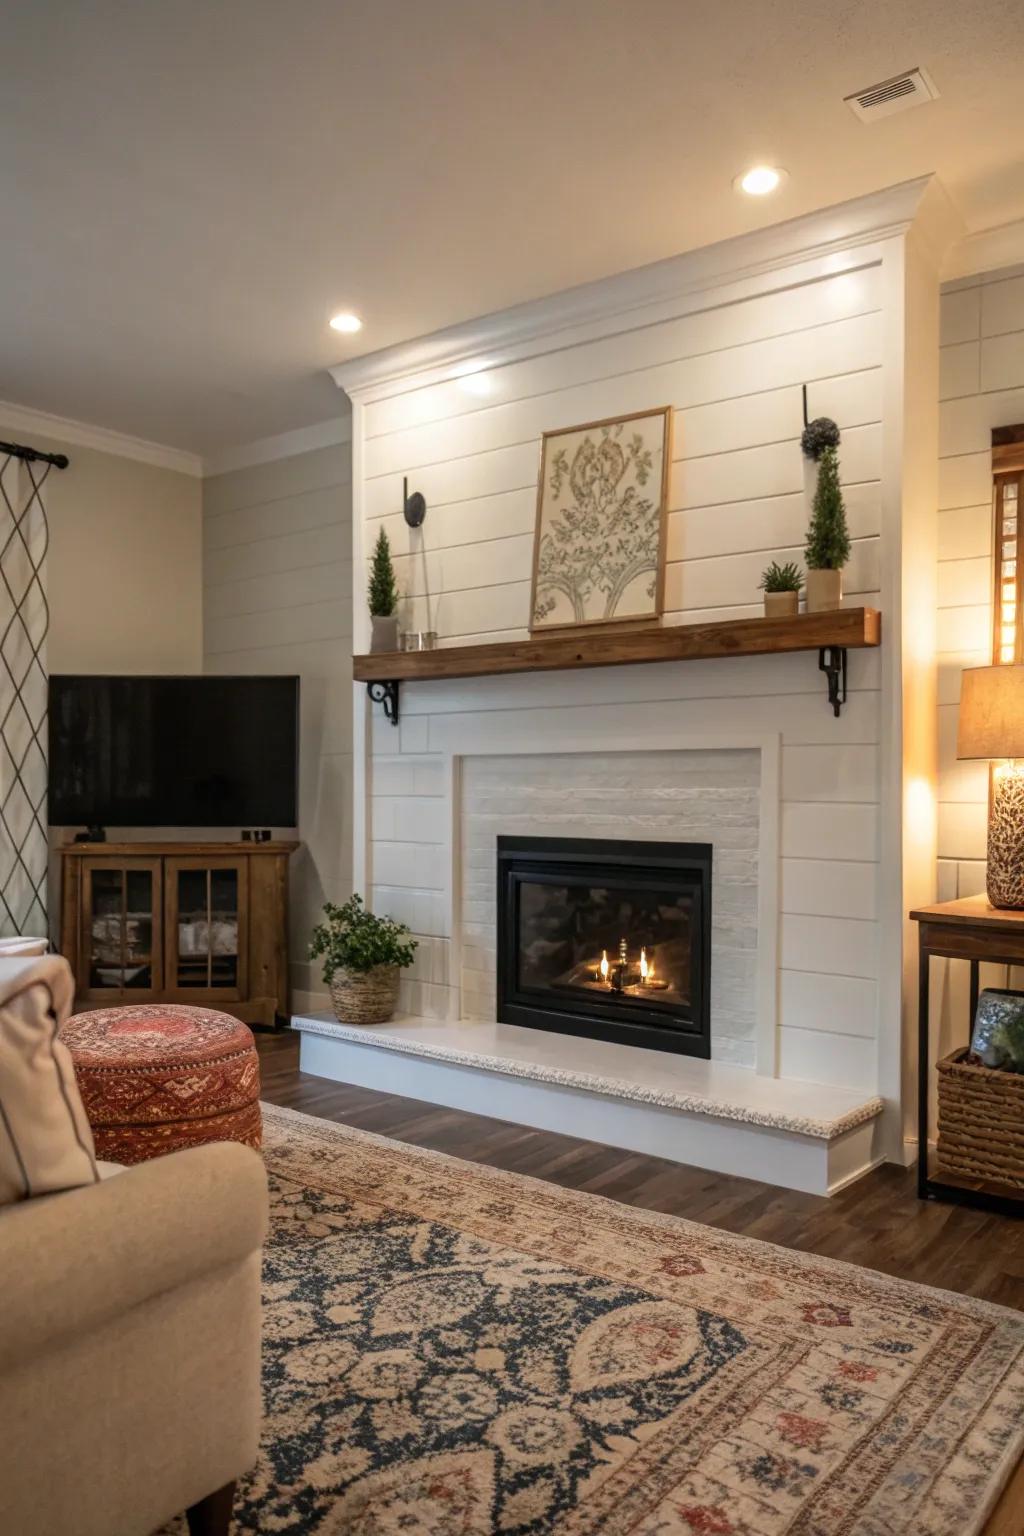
{"type": "Point", "coordinates": [414, 507]}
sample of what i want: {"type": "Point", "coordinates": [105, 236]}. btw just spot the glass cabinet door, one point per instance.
{"type": "Point", "coordinates": [121, 918]}
{"type": "Point", "coordinates": [206, 919]}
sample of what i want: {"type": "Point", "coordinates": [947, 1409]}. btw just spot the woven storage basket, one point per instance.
{"type": "Point", "coordinates": [365, 997]}
{"type": "Point", "coordinates": [981, 1121]}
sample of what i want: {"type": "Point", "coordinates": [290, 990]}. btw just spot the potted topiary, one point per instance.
{"type": "Point", "coordinates": [363, 955]}
{"type": "Point", "coordinates": [383, 598]}
{"type": "Point", "coordinates": [828, 538]}
{"type": "Point", "coordinates": [781, 584]}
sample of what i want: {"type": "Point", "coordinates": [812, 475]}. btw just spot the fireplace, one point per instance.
{"type": "Point", "coordinates": [606, 939]}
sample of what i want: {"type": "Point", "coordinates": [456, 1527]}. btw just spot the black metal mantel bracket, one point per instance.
{"type": "Point", "coordinates": [832, 661]}
{"type": "Point", "coordinates": [387, 694]}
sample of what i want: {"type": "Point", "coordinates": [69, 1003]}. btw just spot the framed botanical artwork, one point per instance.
{"type": "Point", "coordinates": [599, 547]}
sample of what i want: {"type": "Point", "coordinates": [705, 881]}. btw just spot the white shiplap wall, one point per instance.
{"type": "Point", "coordinates": [278, 599]}
{"type": "Point", "coordinates": [733, 370]}
{"type": "Point", "coordinates": [982, 386]}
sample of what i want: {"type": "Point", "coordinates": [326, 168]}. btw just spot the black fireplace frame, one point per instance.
{"type": "Point", "coordinates": [626, 1021]}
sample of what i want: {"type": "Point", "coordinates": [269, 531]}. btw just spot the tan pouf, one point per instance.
{"type": "Point", "coordinates": [159, 1077]}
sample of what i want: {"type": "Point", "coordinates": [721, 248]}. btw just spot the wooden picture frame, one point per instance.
{"type": "Point", "coordinates": [1008, 545]}
{"type": "Point", "coordinates": [596, 481]}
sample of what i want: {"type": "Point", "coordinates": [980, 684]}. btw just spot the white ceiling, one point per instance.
{"type": "Point", "coordinates": [190, 189]}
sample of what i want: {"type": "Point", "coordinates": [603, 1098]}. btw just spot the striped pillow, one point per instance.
{"type": "Point", "coordinates": [45, 1141]}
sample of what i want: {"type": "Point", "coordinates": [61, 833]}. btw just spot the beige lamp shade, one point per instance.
{"type": "Point", "coordinates": [991, 712]}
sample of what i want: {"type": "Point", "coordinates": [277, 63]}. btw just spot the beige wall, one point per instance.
{"type": "Point", "coordinates": [124, 571]}
{"type": "Point", "coordinates": [278, 599]}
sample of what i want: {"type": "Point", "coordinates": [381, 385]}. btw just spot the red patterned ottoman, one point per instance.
{"type": "Point", "coordinates": [160, 1077]}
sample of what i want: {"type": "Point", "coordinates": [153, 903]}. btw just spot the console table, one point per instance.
{"type": "Point", "coordinates": [972, 930]}
{"type": "Point", "coordinates": [202, 923]}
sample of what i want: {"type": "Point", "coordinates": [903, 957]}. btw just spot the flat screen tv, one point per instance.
{"type": "Point", "coordinates": [173, 751]}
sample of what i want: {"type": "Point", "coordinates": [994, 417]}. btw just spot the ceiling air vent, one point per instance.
{"type": "Point", "coordinates": [911, 89]}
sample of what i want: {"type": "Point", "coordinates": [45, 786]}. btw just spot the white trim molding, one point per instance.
{"type": "Point", "coordinates": [24, 420]}
{"type": "Point", "coordinates": [564, 319]}
{"type": "Point", "coordinates": [986, 250]}
{"type": "Point", "coordinates": [283, 445]}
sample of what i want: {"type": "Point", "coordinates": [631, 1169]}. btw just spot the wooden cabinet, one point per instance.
{"type": "Point", "coordinates": [203, 923]}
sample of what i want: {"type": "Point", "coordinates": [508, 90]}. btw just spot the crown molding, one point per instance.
{"type": "Point", "coordinates": [284, 445]}
{"type": "Point", "coordinates": [621, 301]}
{"type": "Point", "coordinates": [986, 250]}
{"type": "Point", "coordinates": [23, 420]}
{"type": "Point", "coordinates": [937, 226]}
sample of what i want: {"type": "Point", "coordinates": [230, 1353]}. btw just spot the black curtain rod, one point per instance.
{"type": "Point", "coordinates": [35, 455]}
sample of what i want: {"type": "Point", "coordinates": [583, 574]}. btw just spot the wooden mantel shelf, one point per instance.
{"type": "Point", "coordinates": [830, 634]}
{"type": "Point", "coordinates": [846, 627]}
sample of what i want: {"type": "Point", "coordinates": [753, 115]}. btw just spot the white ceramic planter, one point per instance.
{"type": "Point", "coordinates": [824, 591]}
{"type": "Point", "coordinates": [384, 632]}
{"type": "Point", "coordinates": [781, 605]}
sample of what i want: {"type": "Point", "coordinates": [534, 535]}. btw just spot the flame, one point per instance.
{"type": "Point", "coordinates": [644, 972]}
{"type": "Point", "coordinates": [604, 965]}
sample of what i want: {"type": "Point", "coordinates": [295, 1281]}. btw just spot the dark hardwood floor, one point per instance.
{"type": "Point", "coordinates": [877, 1222]}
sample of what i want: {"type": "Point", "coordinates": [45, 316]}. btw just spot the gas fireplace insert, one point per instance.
{"type": "Point", "coordinates": [606, 939]}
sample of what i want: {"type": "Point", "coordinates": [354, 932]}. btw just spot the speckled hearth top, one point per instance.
{"type": "Point", "coordinates": [621, 1072]}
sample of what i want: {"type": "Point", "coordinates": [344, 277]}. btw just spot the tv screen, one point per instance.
{"type": "Point", "coordinates": [173, 751]}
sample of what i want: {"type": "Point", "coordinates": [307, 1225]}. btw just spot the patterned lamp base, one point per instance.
{"type": "Point", "coordinates": [1005, 877]}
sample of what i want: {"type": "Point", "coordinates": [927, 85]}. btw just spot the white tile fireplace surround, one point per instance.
{"type": "Point", "coordinates": [822, 827]}
{"type": "Point", "coordinates": [668, 796]}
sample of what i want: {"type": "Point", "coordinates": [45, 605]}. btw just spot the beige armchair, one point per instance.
{"type": "Point", "coordinates": [129, 1347]}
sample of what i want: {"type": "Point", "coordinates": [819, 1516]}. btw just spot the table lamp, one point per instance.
{"type": "Point", "coordinates": [992, 726]}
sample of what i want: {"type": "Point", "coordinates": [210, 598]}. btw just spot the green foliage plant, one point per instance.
{"type": "Point", "coordinates": [828, 538]}
{"type": "Point", "coordinates": [383, 590]}
{"type": "Point", "coordinates": [782, 578]}
{"type": "Point", "coordinates": [352, 938]}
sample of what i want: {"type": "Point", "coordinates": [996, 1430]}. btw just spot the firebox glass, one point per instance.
{"type": "Point", "coordinates": [566, 928]}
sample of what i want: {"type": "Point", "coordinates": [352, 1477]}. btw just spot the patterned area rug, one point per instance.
{"type": "Point", "coordinates": [452, 1351]}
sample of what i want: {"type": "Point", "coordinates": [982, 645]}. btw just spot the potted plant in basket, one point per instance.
{"type": "Point", "coordinates": [383, 597]}
{"type": "Point", "coordinates": [363, 955]}
{"type": "Point", "coordinates": [828, 538]}
{"type": "Point", "coordinates": [781, 584]}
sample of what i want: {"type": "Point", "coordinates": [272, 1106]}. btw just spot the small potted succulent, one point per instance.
{"type": "Point", "coordinates": [828, 538]}
{"type": "Point", "coordinates": [363, 955]}
{"type": "Point", "coordinates": [383, 598]}
{"type": "Point", "coordinates": [781, 584]}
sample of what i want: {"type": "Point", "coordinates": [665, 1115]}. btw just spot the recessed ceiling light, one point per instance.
{"type": "Point", "coordinates": [760, 180]}
{"type": "Point", "coordinates": [346, 323]}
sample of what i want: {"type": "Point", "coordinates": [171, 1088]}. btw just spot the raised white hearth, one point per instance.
{"type": "Point", "coordinates": [800, 1135]}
